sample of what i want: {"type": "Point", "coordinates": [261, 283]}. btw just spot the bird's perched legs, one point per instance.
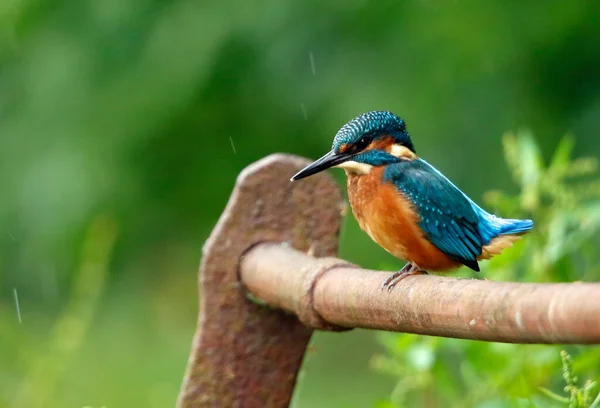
{"type": "Point", "coordinates": [408, 270]}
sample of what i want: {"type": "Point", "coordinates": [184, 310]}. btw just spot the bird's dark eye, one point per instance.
{"type": "Point", "coordinates": [361, 144]}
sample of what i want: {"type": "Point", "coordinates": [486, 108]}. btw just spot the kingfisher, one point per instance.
{"type": "Point", "coordinates": [406, 205]}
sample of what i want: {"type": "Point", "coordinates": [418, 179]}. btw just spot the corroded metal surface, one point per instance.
{"type": "Point", "coordinates": [559, 313]}
{"type": "Point", "coordinates": [244, 354]}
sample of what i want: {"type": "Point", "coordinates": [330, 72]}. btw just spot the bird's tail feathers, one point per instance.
{"type": "Point", "coordinates": [515, 226]}
{"type": "Point", "coordinates": [493, 226]}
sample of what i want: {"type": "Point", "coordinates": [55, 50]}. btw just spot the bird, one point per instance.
{"type": "Point", "coordinates": [406, 205]}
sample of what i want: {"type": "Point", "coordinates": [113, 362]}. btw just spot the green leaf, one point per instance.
{"type": "Point", "coordinates": [553, 395]}
{"type": "Point", "coordinates": [596, 403]}
{"type": "Point", "coordinates": [531, 164]}
{"type": "Point", "coordinates": [562, 155]}
{"type": "Point", "coordinates": [582, 166]}
{"type": "Point", "coordinates": [511, 155]}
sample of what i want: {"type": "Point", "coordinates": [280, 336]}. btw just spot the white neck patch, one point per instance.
{"type": "Point", "coordinates": [354, 167]}
{"type": "Point", "coordinates": [401, 151]}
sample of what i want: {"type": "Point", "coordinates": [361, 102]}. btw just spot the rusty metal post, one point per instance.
{"type": "Point", "coordinates": [245, 354]}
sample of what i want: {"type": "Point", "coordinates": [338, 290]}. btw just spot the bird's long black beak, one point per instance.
{"type": "Point", "coordinates": [329, 160]}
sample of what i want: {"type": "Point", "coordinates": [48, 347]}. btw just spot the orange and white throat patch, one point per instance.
{"type": "Point", "coordinates": [354, 167]}
{"type": "Point", "coordinates": [402, 152]}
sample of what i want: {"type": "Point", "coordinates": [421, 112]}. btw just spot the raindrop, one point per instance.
{"type": "Point", "coordinates": [232, 145]}
{"type": "Point", "coordinates": [304, 111]}
{"type": "Point", "coordinates": [312, 63]}
{"type": "Point", "coordinates": [16, 296]}
{"type": "Point", "coordinates": [11, 236]}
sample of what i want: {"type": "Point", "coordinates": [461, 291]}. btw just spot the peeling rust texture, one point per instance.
{"type": "Point", "coordinates": [346, 296]}
{"type": "Point", "coordinates": [245, 354]}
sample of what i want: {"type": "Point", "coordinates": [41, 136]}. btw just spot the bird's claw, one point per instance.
{"type": "Point", "coordinates": [408, 270]}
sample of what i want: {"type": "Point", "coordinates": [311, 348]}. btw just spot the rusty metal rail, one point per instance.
{"type": "Point", "coordinates": [348, 296]}
{"type": "Point", "coordinates": [245, 354]}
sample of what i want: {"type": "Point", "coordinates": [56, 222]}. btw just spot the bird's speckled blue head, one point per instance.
{"type": "Point", "coordinates": [369, 126]}
{"type": "Point", "coordinates": [372, 139]}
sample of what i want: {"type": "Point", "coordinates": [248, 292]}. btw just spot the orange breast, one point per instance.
{"type": "Point", "coordinates": [390, 220]}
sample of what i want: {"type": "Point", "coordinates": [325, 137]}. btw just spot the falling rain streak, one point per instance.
{"type": "Point", "coordinates": [16, 296]}
{"type": "Point", "coordinates": [232, 145]}
{"type": "Point", "coordinates": [304, 111]}
{"type": "Point", "coordinates": [10, 236]}
{"type": "Point", "coordinates": [312, 63]}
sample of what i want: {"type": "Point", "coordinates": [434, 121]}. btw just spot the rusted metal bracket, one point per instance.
{"type": "Point", "coordinates": [245, 354]}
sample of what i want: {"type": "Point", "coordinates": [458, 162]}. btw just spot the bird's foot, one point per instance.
{"type": "Point", "coordinates": [408, 270]}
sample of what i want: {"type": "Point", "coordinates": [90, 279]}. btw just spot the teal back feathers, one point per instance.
{"type": "Point", "coordinates": [449, 219]}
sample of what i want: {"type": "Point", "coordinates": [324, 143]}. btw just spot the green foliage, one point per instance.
{"type": "Point", "coordinates": [577, 397]}
{"type": "Point", "coordinates": [458, 373]}
{"type": "Point", "coordinates": [46, 367]}
{"type": "Point", "coordinates": [560, 198]}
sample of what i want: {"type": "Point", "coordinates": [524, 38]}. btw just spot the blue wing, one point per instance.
{"type": "Point", "coordinates": [447, 217]}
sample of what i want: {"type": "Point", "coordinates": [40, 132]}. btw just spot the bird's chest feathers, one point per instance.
{"type": "Point", "coordinates": [390, 219]}
{"type": "Point", "coordinates": [382, 212]}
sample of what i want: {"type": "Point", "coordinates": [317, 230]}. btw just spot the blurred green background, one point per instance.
{"type": "Point", "coordinates": [124, 123]}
